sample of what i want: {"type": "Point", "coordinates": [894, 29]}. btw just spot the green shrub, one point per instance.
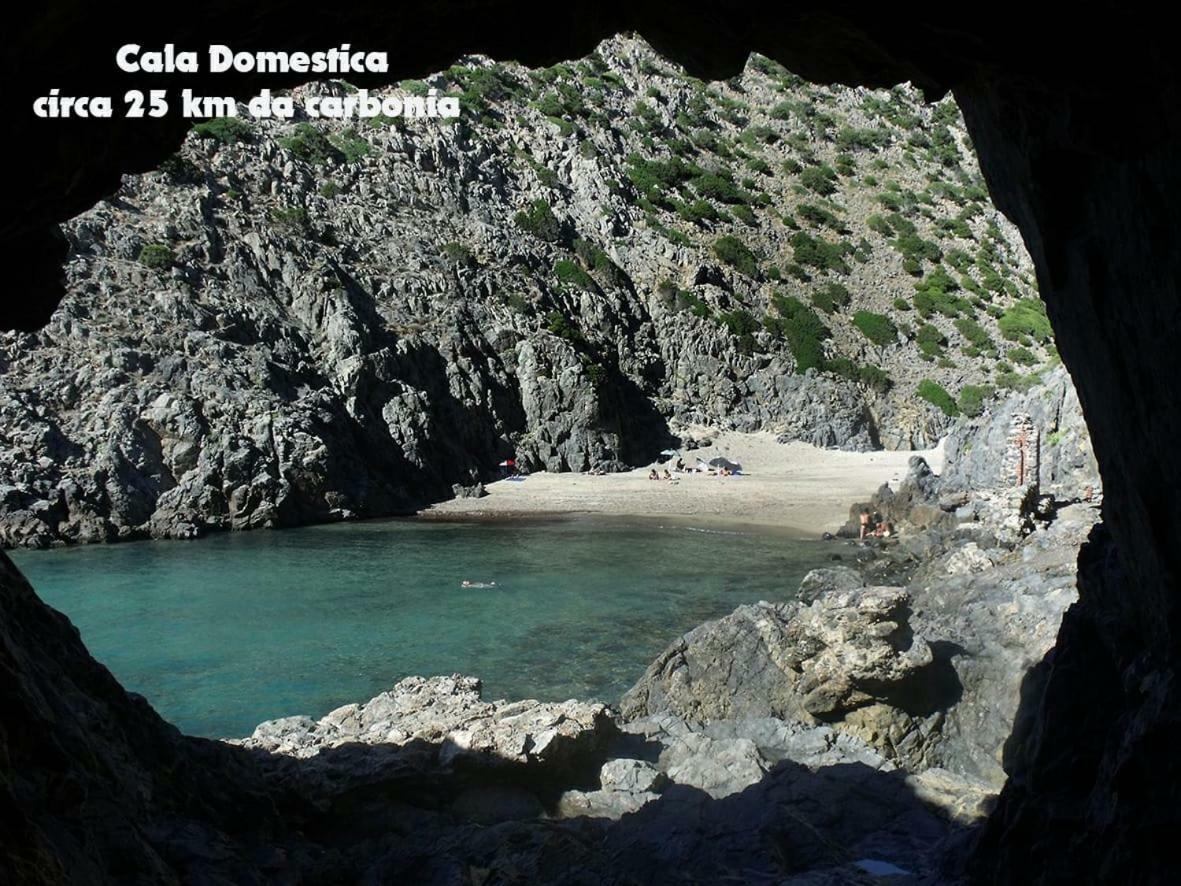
{"type": "Point", "coordinates": [818, 216]}
{"type": "Point", "coordinates": [293, 217]}
{"type": "Point", "coordinates": [697, 211]}
{"type": "Point", "coordinates": [329, 190]}
{"type": "Point", "coordinates": [914, 247]}
{"type": "Point", "coordinates": [973, 332]}
{"type": "Point", "coordinates": [1022, 356]}
{"type": "Point", "coordinates": [157, 256]}
{"type": "Point", "coordinates": [655, 179]}
{"type": "Point", "coordinates": [568, 272]}
{"type": "Point", "coordinates": [972, 397]}
{"type": "Point", "coordinates": [1027, 316]}
{"type": "Point", "coordinates": [540, 221]}
{"type": "Point", "coordinates": [693, 303]}
{"type": "Point", "coordinates": [351, 145]}
{"type": "Point", "coordinates": [309, 144]}
{"type": "Point", "coordinates": [742, 325]}
{"type": "Point", "coordinates": [930, 340]}
{"type": "Point", "coordinates": [818, 253]}
{"type": "Point", "coordinates": [879, 224]}
{"type": "Point", "coordinates": [227, 130]}
{"type": "Point", "coordinates": [934, 295]}
{"type": "Point", "coordinates": [744, 214]}
{"type": "Point", "coordinates": [458, 254]}
{"type": "Point", "coordinates": [718, 187]}
{"type": "Point", "coordinates": [878, 328]}
{"type": "Point", "coordinates": [732, 251]}
{"type": "Point", "coordinates": [831, 296]}
{"type": "Point", "coordinates": [804, 331]}
{"type": "Point", "coordinates": [936, 394]}
{"type": "Point", "coordinates": [849, 138]}
{"type": "Point", "coordinates": [1015, 381]}
{"type": "Point", "coordinates": [518, 303]}
{"type": "Point", "coordinates": [561, 326]}
{"type": "Point", "coordinates": [819, 179]}
{"type": "Point", "coordinates": [875, 377]}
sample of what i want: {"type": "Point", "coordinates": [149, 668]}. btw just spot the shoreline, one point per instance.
{"type": "Point", "coordinates": [721, 524]}
{"type": "Point", "coordinates": [790, 488]}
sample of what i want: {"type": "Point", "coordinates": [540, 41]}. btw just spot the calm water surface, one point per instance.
{"type": "Point", "coordinates": [224, 632]}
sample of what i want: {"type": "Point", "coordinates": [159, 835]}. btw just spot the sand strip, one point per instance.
{"type": "Point", "coordinates": [791, 485]}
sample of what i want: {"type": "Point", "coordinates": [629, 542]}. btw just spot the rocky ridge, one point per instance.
{"type": "Point", "coordinates": [318, 320]}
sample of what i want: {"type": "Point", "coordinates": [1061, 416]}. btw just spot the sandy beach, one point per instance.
{"type": "Point", "coordinates": [790, 486]}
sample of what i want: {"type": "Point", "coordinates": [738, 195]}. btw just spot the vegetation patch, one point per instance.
{"type": "Point", "coordinates": [540, 221]}
{"type": "Point", "coordinates": [733, 252]}
{"type": "Point", "coordinates": [1026, 319]}
{"type": "Point", "coordinates": [227, 130]}
{"type": "Point", "coordinates": [157, 256]}
{"type": "Point", "coordinates": [937, 395]}
{"type": "Point", "coordinates": [803, 330]}
{"type": "Point", "coordinates": [878, 328]}
{"type": "Point", "coordinates": [973, 397]}
{"type": "Point", "coordinates": [309, 144]}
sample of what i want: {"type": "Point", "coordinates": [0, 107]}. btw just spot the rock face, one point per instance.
{"type": "Point", "coordinates": [318, 320]}
{"type": "Point", "coordinates": [844, 652]}
{"type": "Point", "coordinates": [980, 454]}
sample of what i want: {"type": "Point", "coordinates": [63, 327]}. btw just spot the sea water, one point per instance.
{"type": "Point", "coordinates": [221, 633]}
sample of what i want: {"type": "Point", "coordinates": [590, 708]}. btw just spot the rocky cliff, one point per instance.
{"type": "Point", "coordinates": [315, 320]}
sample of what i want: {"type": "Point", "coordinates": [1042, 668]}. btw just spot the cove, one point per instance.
{"type": "Point", "coordinates": [224, 632]}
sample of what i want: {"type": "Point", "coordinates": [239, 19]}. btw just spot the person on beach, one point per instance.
{"type": "Point", "coordinates": [865, 527]}
{"type": "Point", "coordinates": [652, 475]}
{"type": "Point", "coordinates": [667, 475]}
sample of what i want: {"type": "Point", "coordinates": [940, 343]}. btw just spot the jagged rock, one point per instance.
{"type": "Point", "coordinates": [968, 559]}
{"type": "Point", "coordinates": [847, 650]}
{"type": "Point", "coordinates": [631, 776]}
{"type": "Point", "coordinates": [433, 725]}
{"type": "Point", "coordinates": [831, 579]}
{"type": "Point", "coordinates": [913, 507]}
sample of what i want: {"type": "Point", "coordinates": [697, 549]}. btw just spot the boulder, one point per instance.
{"type": "Point", "coordinates": [845, 651]}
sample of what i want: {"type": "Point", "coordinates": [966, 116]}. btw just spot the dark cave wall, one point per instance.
{"type": "Point", "coordinates": [1076, 122]}
{"type": "Point", "coordinates": [1093, 183]}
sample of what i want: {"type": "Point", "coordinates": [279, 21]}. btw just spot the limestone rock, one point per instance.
{"type": "Point", "coordinates": [847, 650]}
{"type": "Point", "coordinates": [443, 723]}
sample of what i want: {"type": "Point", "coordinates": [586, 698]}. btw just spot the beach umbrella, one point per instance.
{"type": "Point", "coordinates": [719, 462]}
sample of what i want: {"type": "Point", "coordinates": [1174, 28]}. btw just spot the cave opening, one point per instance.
{"type": "Point", "coordinates": [1059, 250]}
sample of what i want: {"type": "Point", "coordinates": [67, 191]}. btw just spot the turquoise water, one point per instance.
{"type": "Point", "coordinates": [233, 629]}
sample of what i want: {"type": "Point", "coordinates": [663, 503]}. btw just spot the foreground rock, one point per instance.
{"type": "Point", "coordinates": [849, 657]}
{"type": "Point", "coordinates": [426, 729]}
{"type": "Point", "coordinates": [931, 674]}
